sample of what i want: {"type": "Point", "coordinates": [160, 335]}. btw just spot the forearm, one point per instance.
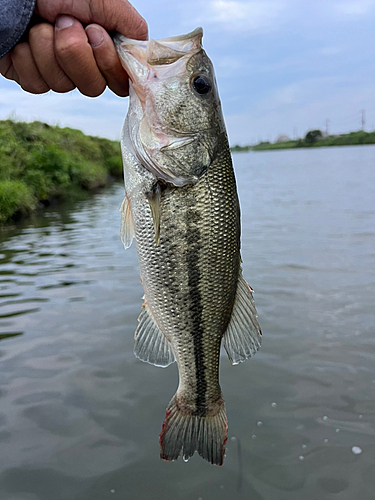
{"type": "Point", "coordinates": [14, 19]}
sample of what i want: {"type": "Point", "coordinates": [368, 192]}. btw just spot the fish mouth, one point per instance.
{"type": "Point", "coordinates": [138, 56]}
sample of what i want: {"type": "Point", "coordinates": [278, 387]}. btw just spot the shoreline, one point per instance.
{"type": "Point", "coordinates": [300, 148]}
{"type": "Point", "coordinates": [359, 138]}
{"type": "Point", "coordinates": [43, 165]}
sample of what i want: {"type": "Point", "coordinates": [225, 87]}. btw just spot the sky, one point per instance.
{"type": "Point", "coordinates": [282, 66]}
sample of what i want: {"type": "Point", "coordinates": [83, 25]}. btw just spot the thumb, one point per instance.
{"type": "Point", "coordinates": [113, 15]}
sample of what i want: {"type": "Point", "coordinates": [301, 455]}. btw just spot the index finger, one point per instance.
{"type": "Point", "coordinates": [107, 60]}
{"type": "Point", "coordinates": [129, 23]}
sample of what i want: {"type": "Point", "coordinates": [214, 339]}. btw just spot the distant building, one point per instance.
{"type": "Point", "coordinates": [283, 138]}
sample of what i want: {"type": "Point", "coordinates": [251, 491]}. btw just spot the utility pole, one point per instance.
{"type": "Point", "coordinates": [363, 120]}
{"type": "Point", "coordinates": [327, 126]}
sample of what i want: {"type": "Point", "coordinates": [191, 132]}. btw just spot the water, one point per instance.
{"type": "Point", "coordinates": [80, 415]}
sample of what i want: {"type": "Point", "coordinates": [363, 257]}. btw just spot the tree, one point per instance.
{"type": "Point", "coordinates": [312, 136]}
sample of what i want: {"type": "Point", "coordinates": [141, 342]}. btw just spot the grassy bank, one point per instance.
{"type": "Point", "coordinates": [351, 139]}
{"type": "Point", "coordinates": [39, 163]}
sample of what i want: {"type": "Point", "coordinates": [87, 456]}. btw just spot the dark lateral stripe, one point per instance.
{"type": "Point", "coordinates": [196, 307]}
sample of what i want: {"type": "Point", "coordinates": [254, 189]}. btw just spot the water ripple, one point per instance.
{"type": "Point", "coordinates": [74, 397]}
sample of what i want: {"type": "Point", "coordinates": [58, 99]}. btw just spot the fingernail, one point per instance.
{"type": "Point", "coordinates": [95, 36]}
{"type": "Point", "coordinates": [64, 22]}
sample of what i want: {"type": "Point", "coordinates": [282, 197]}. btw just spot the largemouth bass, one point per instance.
{"type": "Point", "coordinates": [182, 208]}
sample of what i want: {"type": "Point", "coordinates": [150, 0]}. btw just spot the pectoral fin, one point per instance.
{"type": "Point", "coordinates": [150, 344]}
{"type": "Point", "coordinates": [242, 338]}
{"type": "Point", "coordinates": [127, 226]}
{"type": "Point", "coordinates": [154, 200]}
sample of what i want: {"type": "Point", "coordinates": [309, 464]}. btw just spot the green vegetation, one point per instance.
{"type": "Point", "coordinates": [262, 146]}
{"type": "Point", "coordinates": [39, 163]}
{"type": "Point", "coordinates": [240, 149]}
{"type": "Point", "coordinates": [314, 138]}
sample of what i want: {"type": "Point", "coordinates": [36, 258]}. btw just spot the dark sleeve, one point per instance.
{"type": "Point", "coordinates": [14, 18]}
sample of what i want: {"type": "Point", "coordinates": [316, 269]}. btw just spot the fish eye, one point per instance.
{"type": "Point", "coordinates": [201, 84]}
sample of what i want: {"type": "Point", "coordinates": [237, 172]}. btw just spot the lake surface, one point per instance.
{"type": "Point", "coordinates": [80, 416]}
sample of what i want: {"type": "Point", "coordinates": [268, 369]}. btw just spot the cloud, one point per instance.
{"type": "Point", "coordinates": [358, 7]}
{"type": "Point", "coordinates": [279, 64]}
{"type": "Point", "coordinates": [102, 116]}
{"type": "Point", "coordinates": [253, 16]}
{"type": "Point", "coordinates": [303, 106]}
{"type": "Point", "coordinates": [330, 51]}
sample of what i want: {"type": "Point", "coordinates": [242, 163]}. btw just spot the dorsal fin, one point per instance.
{"type": "Point", "coordinates": [150, 345]}
{"type": "Point", "coordinates": [242, 338]}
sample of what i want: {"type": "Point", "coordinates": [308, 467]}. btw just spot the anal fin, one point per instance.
{"type": "Point", "coordinates": [150, 344]}
{"type": "Point", "coordinates": [242, 338]}
{"type": "Point", "coordinates": [127, 225]}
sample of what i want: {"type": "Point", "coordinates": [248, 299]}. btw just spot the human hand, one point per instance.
{"type": "Point", "coordinates": [61, 54]}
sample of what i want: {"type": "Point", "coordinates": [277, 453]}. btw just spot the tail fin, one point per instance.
{"type": "Point", "coordinates": [187, 433]}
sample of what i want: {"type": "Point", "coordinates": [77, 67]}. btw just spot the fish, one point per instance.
{"type": "Point", "coordinates": [182, 209]}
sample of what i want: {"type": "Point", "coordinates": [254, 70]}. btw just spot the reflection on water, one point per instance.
{"type": "Point", "coordinates": [80, 415]}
